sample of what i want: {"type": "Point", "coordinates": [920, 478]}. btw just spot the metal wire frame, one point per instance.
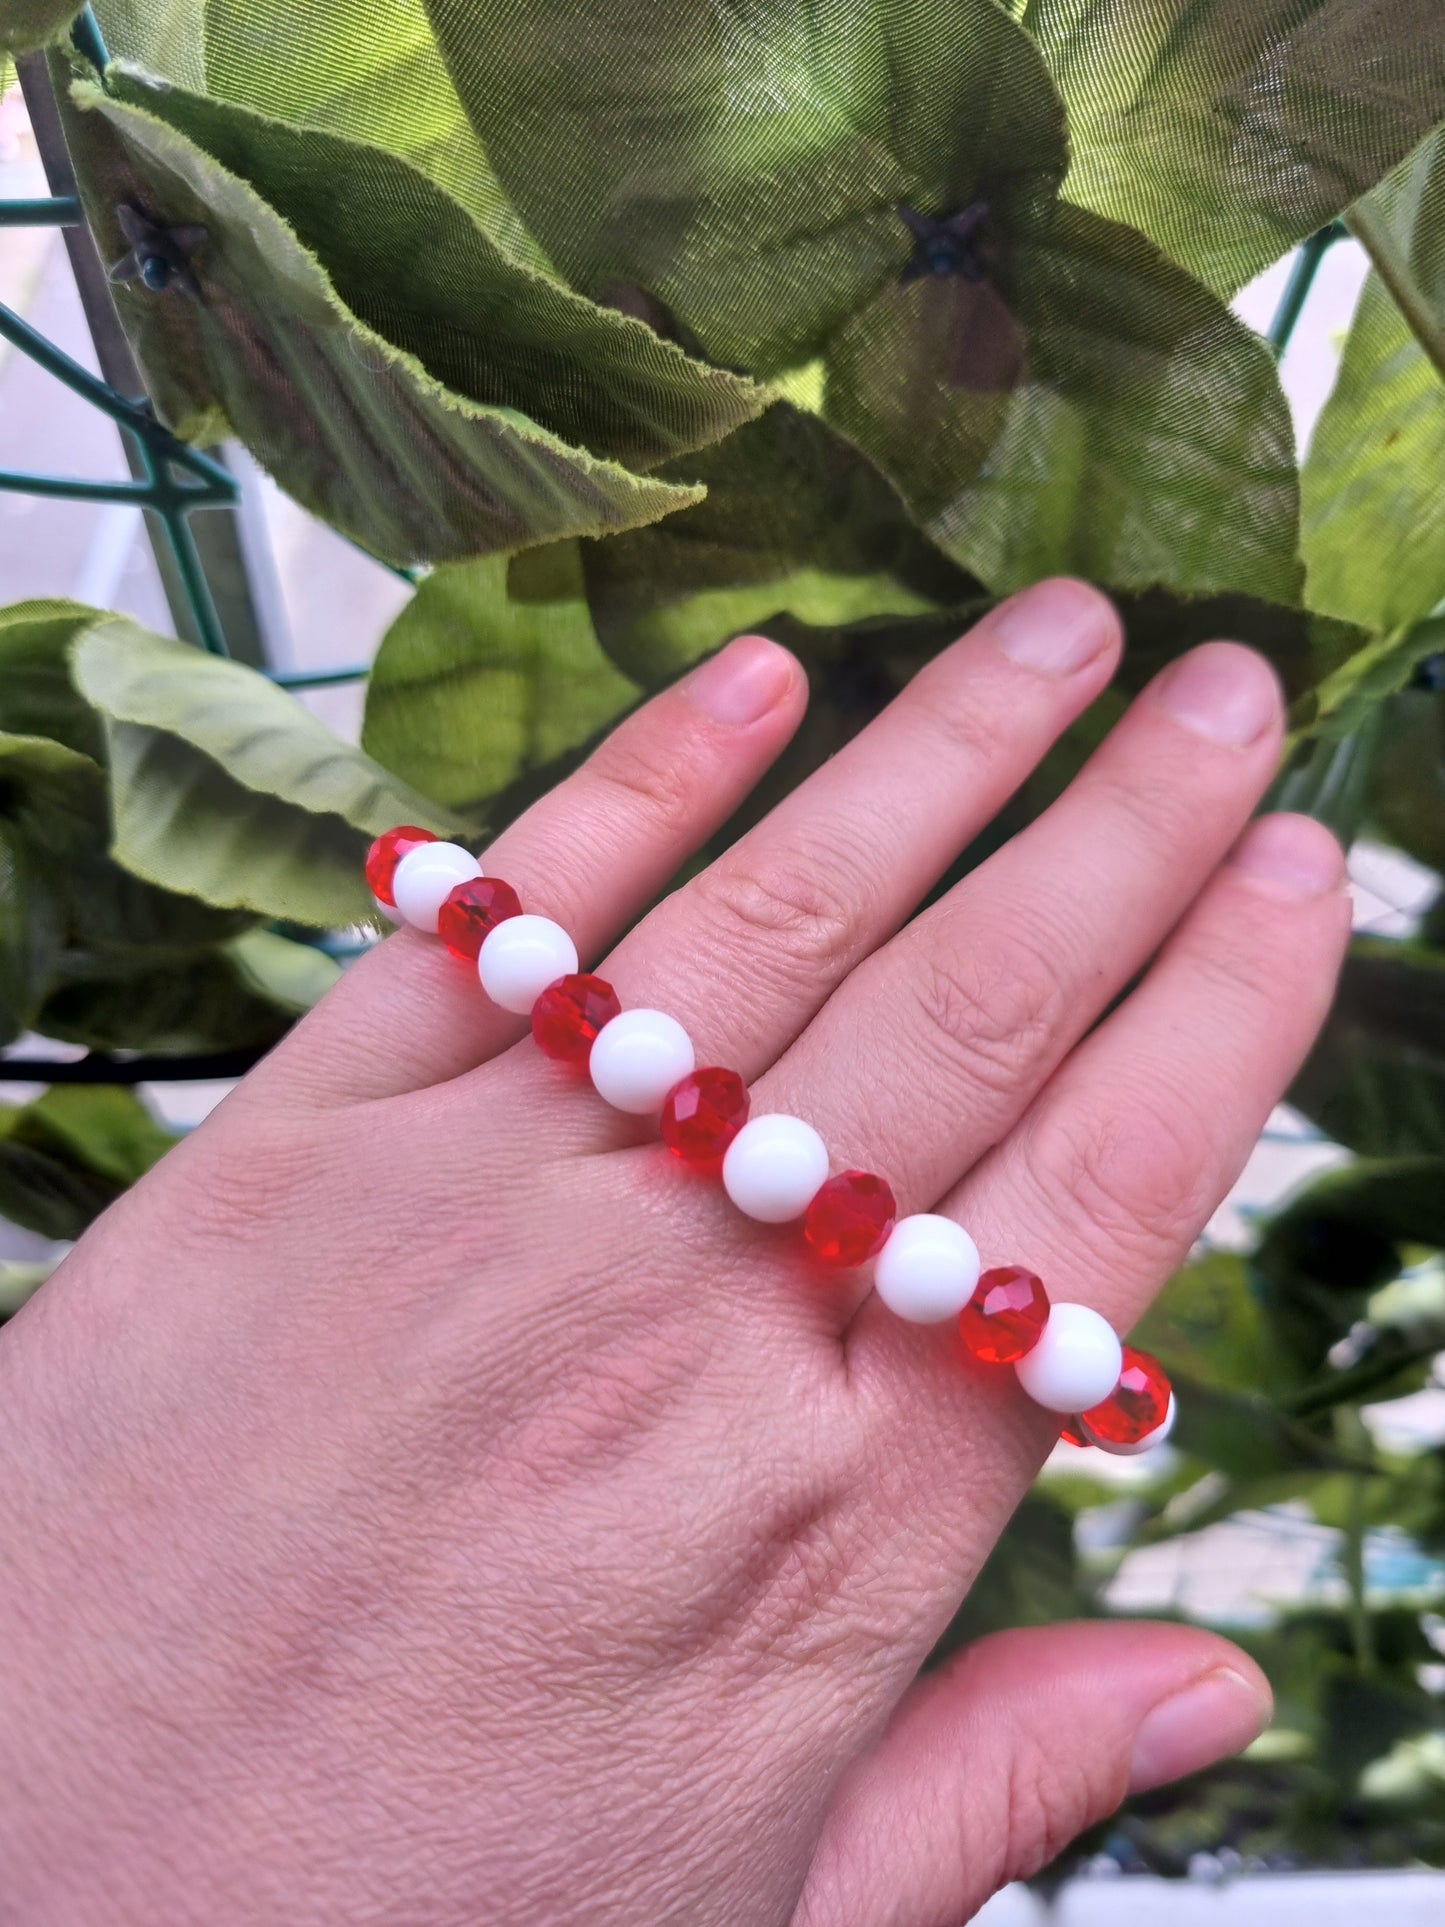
{"type": "Point", "coordinates": [209, 485]}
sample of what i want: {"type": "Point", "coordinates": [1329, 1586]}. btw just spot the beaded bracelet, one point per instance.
{"type": "Point", "coordinates": [775, 1168]}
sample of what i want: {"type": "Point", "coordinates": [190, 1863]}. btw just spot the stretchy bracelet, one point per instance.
{"type": "Point", "coordinates": [775, 1168]}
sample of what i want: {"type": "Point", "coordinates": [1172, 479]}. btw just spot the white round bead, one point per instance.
{"type": "Point", "coordinates": [774, 1168]}
{"type": "Point", "coordinates": [927, 1270]}
{"type": "Point", "coordinates": [1076, 1362]}
{"type": "Point", "coordinates": [1146, 1444]}
{"type": "Point", "coordinates": [638, 1057]}
{"type": "Point", "coordinates": [388, 910]}
{"type": "Point", "coordinates": [426, 877]}
{"type": "Point", "coordinates": [521, 957]}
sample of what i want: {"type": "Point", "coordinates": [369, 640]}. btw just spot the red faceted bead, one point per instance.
{"type": "Point", "coordinates": [849, 1220]}
{"type": "Point", "coordinates": [703, 1114]}
{"type": "Point", "coordinates": [1138, 1404]}
{"type": "Point", "coordinates": [384, 855]}
{"type": "Point", "coordinates": [472, 912]}
{"type": "Point", "coordinates": [1006, 1315]}
{"type": "Point", "coordinates": [1071, 1435]}
{"type": "Point", "coordinates": [568, 1015]}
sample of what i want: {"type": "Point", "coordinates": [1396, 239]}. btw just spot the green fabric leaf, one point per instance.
{"type": "Point", "coordinates": [1136, 433]}
{"type": "Point", "coordinates": [355, 429]}
{"type": "Point", "coordinates": [1307, 652]}
{"type": "Point", "coordinates": [1375, 1081]}
{"type": "Point", "coordinates": [28, 24]}
{"type": "Point", "coordinates": [471, 688]}
{"type": "Point", "coordinates": [1372, 488]}
{"type": "Point", "coordinates": [345, 66]}
{"type": "Point", "coordinates": [796, 522]}
{"type": "Point", "coordinates": [226, 788]}
{"type": "Point", "coordinates": [71, 1153]}
{"type": "Point", "coordinates": [415, 267]}
{"type": "Point", "coordinates": [1227, 130]}
{"type": "Point", "coordinates": [243, 996]}
{"type": "Point", "coordinates": [37, 697]}
{"type": "Point", "coordinates": [745, 166]}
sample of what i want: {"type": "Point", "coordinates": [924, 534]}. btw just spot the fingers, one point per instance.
{"type": "Point", "coordinates": [1111, 1175]}
{"type": "Point", "coordinates": [935, 1046]}
{"type": "Point", "coordinates": [992, 1765]}
{"type": "Point", "coordinates": [750, 949]}
{"type": "Point", "coordinates": [592, 854]}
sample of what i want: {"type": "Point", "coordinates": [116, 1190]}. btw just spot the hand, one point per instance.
{"type": "Point", "coordinates": [425, 1501]}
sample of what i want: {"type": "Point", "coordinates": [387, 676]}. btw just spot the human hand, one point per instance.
{"type": "Point", "coordinates": [425, 1501]}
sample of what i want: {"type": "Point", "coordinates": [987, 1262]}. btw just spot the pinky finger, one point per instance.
{"type": "Point", "coordinates": [592, 854]}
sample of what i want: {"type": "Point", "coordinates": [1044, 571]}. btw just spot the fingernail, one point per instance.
{"type": "Point", "coordinates": [742, 682]}
{"type": "Point", "coordinates": [1290, 856]}
{"type": "Point", "coordinates": [1215, 1717]}
{"type": "Point", "coordinates": [1222, 692]}
{"type": "Point", "coordinates": [1055, 627]}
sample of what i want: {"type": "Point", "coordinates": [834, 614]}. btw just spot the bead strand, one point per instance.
{"type": "Point", "coordinates": [775, 1168]}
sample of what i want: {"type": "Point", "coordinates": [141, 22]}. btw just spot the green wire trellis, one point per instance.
{"type": "Point", "coordinates": [178, 480]}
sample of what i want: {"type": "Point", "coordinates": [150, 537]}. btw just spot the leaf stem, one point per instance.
{"type": "Point", "coordinates": [1379, 243]}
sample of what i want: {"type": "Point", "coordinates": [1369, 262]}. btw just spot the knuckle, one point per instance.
{"type": "Point", "coordinates": [803, 912]}
{"type": "Point", "coordinates": [648, 780]}
{"type": "Point", "coordinates": [994, 1009]}
{"type": "Point", "coordinates": [1047, 1801]}
{"type": "Point", "coordinates": [1137, 1175]}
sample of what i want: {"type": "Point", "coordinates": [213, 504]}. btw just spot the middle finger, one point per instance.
{"type": "Point", "coordinates": [934, 1046]}
{"type": "Point", "coordinates": [749, 950]}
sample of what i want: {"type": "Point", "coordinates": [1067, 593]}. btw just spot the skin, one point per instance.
{"type": "Point", "coordinates": [424, 1501]}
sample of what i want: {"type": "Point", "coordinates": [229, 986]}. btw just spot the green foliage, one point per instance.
{"type": "Point", "coordinates": [416, 268]}
{"type": "Point", "coordinates": [1374, 525]}
{"type": "Point", "coordinates": [93, 952]}
{"type": "Point", "coordinates": [227, 789]}
{"type": "Point", "coordinates": [472, 689]}
{"type": "Point", "coordinates": [1227, 130]}
{"type": "Point", "coordinates": [71, 1153]}
{"type": "Point", "coordinates": [362, 434]}
{"type": "Point", "coordinates": [1137, 435]}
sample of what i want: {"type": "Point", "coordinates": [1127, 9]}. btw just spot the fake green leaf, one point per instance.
{"type": "Point", "coordinates": [745, 166]}
{"type": "Point", "coordinates": [37, 697]}
{"type": "Point", "coordinates": [472, 688]}
{"type": "Point", "coordinates": [226, 788]}
{"type": "Point", "coordinates": [242, 996]}
{"type": "Point", "coordinates": [415, 267]}
{"type": "Point", "coordinates": [1373, 497]}
{"type": "Point", "coordinates": [1307, 652]}
{"type": "Point", "coordinates": [28, 24]}
{"type": "Point", "coordinates": [345, 66]}
{"type": "Point", "coordinates": [71, 1153]}
{"type": "Point", "coordinates": [796, 522]}
{"type": "Point", "coordinates": [1137, 434]}
{"type": "Point", "coordinates": [1228, 130]}
{"type": "Point", "coordinates": [354, 428]}
{"type": "Point", "coordinates": [1375, 1081]}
